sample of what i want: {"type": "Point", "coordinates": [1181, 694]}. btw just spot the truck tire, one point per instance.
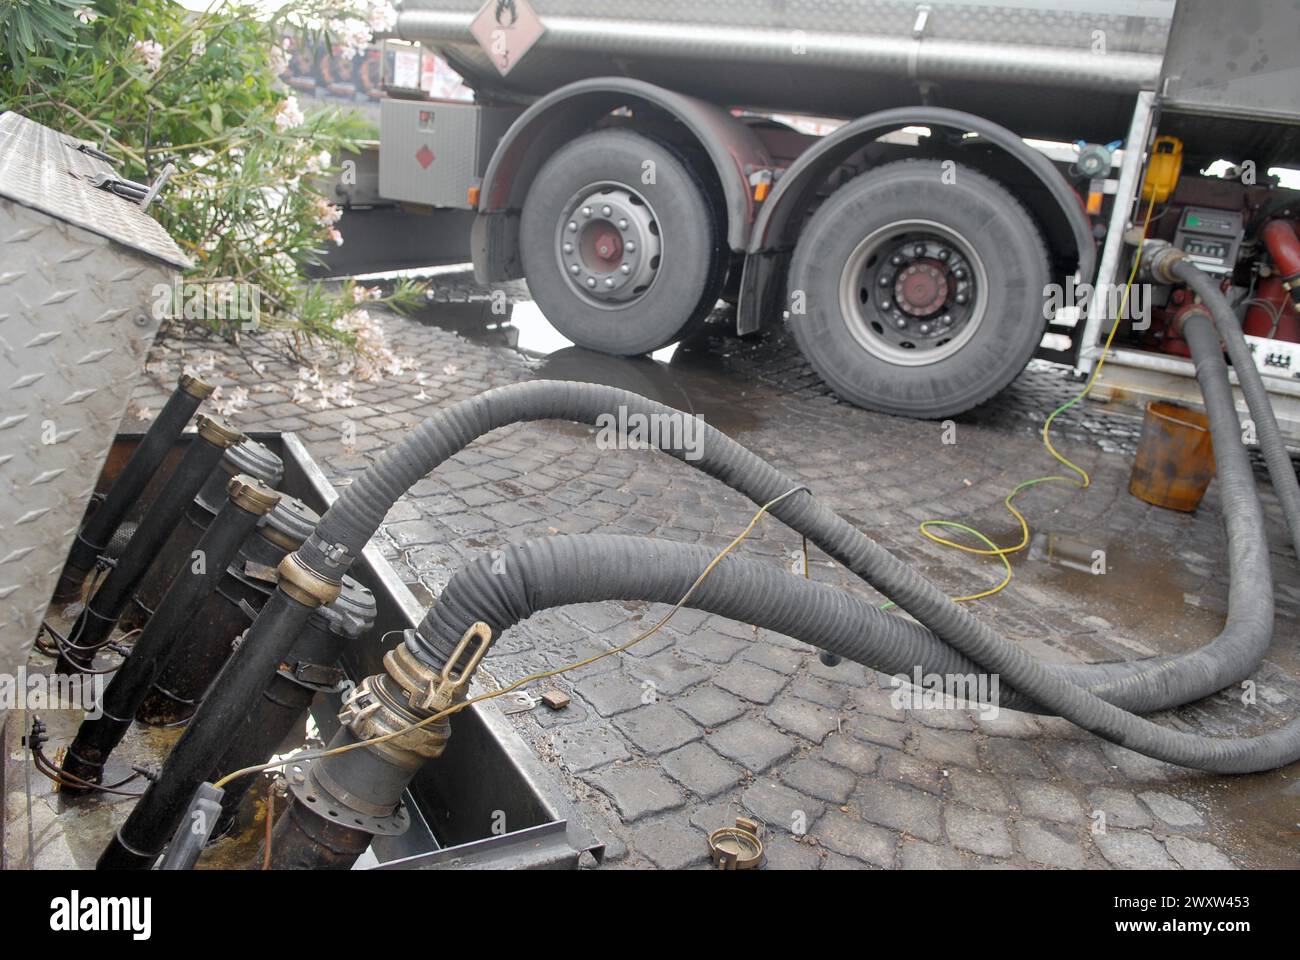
{"type": "Point", "coordinates": [918, 289]}
{"type": "Point", "coordinates": [617, 264]}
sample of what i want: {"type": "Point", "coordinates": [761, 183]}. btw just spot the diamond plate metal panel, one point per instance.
{"type": "Point", "coordinates": [76, 322]}
{"type": "Point", "coordinates": [42, 169]}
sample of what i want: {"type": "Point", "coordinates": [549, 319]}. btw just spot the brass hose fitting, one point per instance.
{"type": "Point", "coordinates": [251, 494]}
{"type": "Point", "coordinates": [218, 432]}
{"type": "Point", "coordinates": [409, 692]}
{"type": "Point", "coordinates": [361, 789]}
{"type": "Point", "coordinates": [304, 584]}
{"type": "Point", "coordinates": [199, 389]}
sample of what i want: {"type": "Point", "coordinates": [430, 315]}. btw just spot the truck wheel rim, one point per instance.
{"type": "Point", "coordinates": [913, 292]}
{"type": "Point", "coordinates": [607, 244]}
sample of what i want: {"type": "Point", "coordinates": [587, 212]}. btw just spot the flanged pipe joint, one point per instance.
{"type": "Point", "coordinates": [343, 799]}
{"type": "Point", "coordinates": [1159, 257]}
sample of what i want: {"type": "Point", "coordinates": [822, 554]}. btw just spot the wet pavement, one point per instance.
{"type": "Point", "coordinates": [710, 719]}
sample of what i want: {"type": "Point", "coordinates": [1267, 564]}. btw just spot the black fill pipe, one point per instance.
{"type": "Point", "coordinates": [93, 538]}
{"type": "Point", "coordinates": [302, 840]}
{"type": "Point", "coordinates": [100, 615]}
{"type": "Point", "coordinates": [283, 705]}
{"type": "Point", "coordinates": [145, 833]}
{"type": "Point", "coordinates": [249, 458]}
{"type": "Point", "coordinates": [185, 680]}
{"type": "Point", "coordinates": [164, 636]}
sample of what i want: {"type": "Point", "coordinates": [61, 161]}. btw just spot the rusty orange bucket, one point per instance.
{"type": "Point", "coordinates": [1175, 458]}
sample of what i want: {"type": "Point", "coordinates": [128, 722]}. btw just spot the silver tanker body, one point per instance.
{"type": "Point", "coordinates": [1063, 70]}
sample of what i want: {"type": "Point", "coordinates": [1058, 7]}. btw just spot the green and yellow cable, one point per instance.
{"type": "Point", "coordinates": [1081, 479]}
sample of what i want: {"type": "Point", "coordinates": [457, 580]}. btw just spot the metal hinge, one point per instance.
{"type": "Point", "coordinates": [141, 193]}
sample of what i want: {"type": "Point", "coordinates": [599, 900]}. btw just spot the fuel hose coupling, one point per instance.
{"type": "Point", "coordinates": [1159, 258]}
{"type": "Point", "coordinates": [196, 388]}
{"type": "Point", "coordinates": [361, 789]}
{"type": "Point", "coordinates": [304, 584]}
{"type": "Point", "coordinates": [216, 432]}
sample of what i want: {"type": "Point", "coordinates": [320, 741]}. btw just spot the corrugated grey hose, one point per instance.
{"type": "Point", "coordinates": [1139, 685]}
{"type": "Point", "coordinates": [524, 579]}
{"type": "Point", "coordinates": [1280, 469]}
{"type": "Point", "coordinates": [357, 515]}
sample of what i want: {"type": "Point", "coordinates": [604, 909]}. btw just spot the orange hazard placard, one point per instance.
{"type": "Point", "coordinates": [506, 29]}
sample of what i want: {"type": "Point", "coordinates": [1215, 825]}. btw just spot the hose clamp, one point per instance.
{"type": "Point", "coordinates": [251, 494]}
{"type": "Point", "coordinates": [320, 677]}
{"type": "Point", "coordinates": [306, 585]}
{"type": "Point", "coordinates": [199, 389]}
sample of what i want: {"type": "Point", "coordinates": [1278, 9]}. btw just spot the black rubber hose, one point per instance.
{"type": "Point", "coordinates": [1232, 656]}
{"type": "Point", "coordinates": [283, 705]}
{"type": "Point", "coordinates": [161, 807]}
{"type": "Point", "coordinates": [355, 517]}
{"type": "Point", "coordinates": [1040, 684]}
{"type": "Point", "coordinates": [1280, 469]}
{"type": "Point", "coordinates": [526, 578]}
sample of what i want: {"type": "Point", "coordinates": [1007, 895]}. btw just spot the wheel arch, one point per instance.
{"type": "Point", "coordinates": [733, 150]}
{"type": "Point", "coordinates": [776, 227]}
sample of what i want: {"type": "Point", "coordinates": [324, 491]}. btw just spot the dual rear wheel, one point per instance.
{"type": "Point", "coordinates": [915, 289]}
{"type": "Point", "coordinates": [918, 289]}
{"type": "Point", "coordinates": [622, 246]}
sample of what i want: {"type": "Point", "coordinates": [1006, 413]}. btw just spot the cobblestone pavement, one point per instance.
{"type": "Point", "coordinates": [709, 718]}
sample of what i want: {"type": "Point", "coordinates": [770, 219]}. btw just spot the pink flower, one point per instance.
{"type": "Point", "coordinates": [327, 214]}
{"type": "Point", "coordinates": [288, 114]}
{"type": "Point", "coordinates": [149, 51]}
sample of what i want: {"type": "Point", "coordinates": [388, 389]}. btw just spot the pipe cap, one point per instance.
{"type": "Point", "coordinates": [195, 387]}
{"type": "Point", "coordinates": [256, 460]}
{"type": "Point", "coordinates": [290, 523]}
{"type": "Point", "coordinates": [351, 614]}
{"type": "Point", "coordinates": [251, 494]}
{"type": "Point", "coordinates": [218, 432]}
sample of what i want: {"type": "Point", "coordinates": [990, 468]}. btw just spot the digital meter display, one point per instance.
{"type": "Point", "coordinates": [1204, 247]}
{"type": "Point", "coordinates": [1211, 237]}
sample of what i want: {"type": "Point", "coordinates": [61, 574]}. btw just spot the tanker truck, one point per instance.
{"type": "Point", "coordinates": [964, 202]}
